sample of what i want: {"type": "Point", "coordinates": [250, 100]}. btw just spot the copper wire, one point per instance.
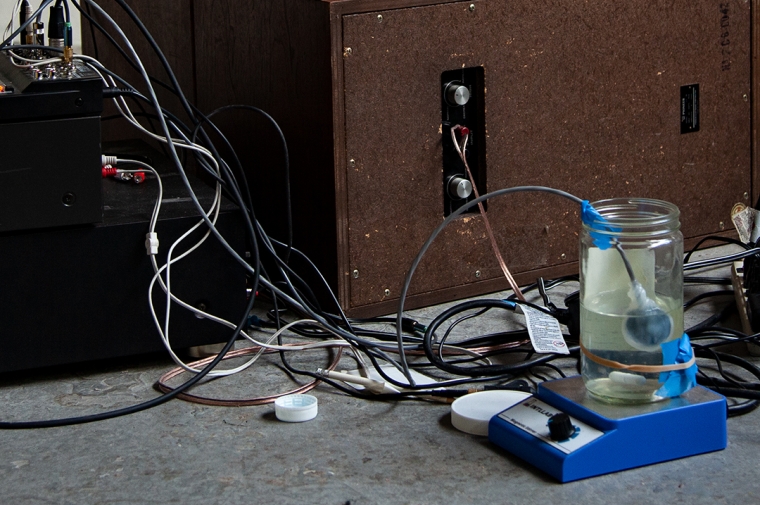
{"type": "Point", "coordinates": [245, 402]}
{"type": "Point", "coordinates": [162, 385]}
{"type": "Point", "coordinates": [511, 280]}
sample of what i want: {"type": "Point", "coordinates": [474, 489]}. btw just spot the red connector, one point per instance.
{"type": "Point", "coordinates": [108, 171]}
{"type": "Point", "coordinates": [461, 130]}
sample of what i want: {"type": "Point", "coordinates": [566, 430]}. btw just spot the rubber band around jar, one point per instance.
{"type": "Point", "coordinates": [637, 368]}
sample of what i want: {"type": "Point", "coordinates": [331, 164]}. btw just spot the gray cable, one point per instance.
{"type": "Point", "coordinates": [723, 259]}
{"type": "Point", "coordinates": [426, 245]}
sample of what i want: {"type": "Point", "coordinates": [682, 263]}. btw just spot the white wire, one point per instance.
{"type": "Point", "coordinates": [166, 286]}
{"type": "Point", "coordinates": [9, 28]}
{"type": "Point", "coordinates": [304, 347]}
{"type": "Point", "coordinates": [126, 112]}
{"type": "Point", "coordinates": [207, 219]}
{"type": "Point", "coordinates": [159, 200]}
{"type": "Point", "coordinates": [32, 62]}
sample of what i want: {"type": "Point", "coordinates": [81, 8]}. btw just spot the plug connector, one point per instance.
{"type": "Point", "coordinates": [151, 243]}
{"type": "Point", "coordinates": [371, 385]}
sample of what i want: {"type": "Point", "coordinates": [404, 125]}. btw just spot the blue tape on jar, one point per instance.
{"type": "Point", "coordinates": [591, 218]}
{"type": "Point", "coordinates": [677, 382]}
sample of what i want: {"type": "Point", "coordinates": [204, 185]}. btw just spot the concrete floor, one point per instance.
{"type": "Point", "coordinates": [355, 451]}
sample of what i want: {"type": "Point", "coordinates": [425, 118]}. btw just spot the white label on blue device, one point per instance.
{"type": "Point", "coordinates": [532, 416]}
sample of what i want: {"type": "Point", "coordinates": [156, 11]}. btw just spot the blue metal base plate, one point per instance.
{"type": "Point", "coordinates": [609, 438]}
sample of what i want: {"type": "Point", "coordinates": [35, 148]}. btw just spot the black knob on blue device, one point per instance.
{"type": "Point", "coordinates": [560, 427]}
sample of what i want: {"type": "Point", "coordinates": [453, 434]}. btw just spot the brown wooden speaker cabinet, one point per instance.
{"type": "Point", "coordinates": [600, 99]}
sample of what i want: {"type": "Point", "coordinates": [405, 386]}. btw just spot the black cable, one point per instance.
{"type": "Point", "coordinates": [6, 425]}
{"type": "Point", "coordinates": [65, 9]}
{"type": "Point", "coordinates": [288, 203]}
{"type": "Point", "coordinates": [709, 294]}
{"type": "Point", "coordinates": [545, 297]}
{"type": "Point", "coordinates": [189, 109]}
{"type": "Point", "coordinates": [719, 281]}
{"type": "Point", "coordinates": [453, 325]}
{"type": "Point", "coordinates": [714, 319]}
{"type": "Point", "coordinates": [754, 399]}
{"type": "Point", "coordinates": [715, 238]}
{"type": "Point", "coordinates": [92, 23]}
{"type": "Point", "coordinates": [480, 370]}
{"type": "Point", "coordinates": [738, 336]}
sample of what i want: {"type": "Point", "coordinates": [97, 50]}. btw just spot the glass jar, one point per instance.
{"type": "Point", "coordinates": [631, 292]}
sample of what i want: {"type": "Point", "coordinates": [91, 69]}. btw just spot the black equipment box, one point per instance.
{"type": "Point", "coordinates": [50, 131]}
{"type": "Point", "coordinates": [74, 294]}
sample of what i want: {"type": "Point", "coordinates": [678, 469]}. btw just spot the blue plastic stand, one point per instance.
{"type": "Point", "coordinates": [609, 438]}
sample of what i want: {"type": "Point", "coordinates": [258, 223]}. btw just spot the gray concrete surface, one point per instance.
{"type": "Point", "coordinates": [355, 451]}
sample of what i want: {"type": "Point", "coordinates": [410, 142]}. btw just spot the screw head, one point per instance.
{"type": "Point", "coordinates": [478, 274]}
{"type": "Point", "coordinates": [79, 102]}
{"type": "Point", "coordinates": [355, 273]}
{"type": "Point", "coordinates": [746, 195]}
{"type": "Point", "coordinates": [352, 162]}
{"type": "Point", "coordinates": [387, 292]}
{"type": "Point", "coordinates": [68, 199]}
{"type": "Point", "coordinates": [347, 51]}
{"type": "Point", "coordinates": [472, 7]}
{"type": "Point", "coordinates": [745, 97]}
{"type": "Point", "coordinates": [379, 18]}
{"type": "Point", "coordinates": [563, 256]}
{"type": "Point", "coordinates": [722, 225]}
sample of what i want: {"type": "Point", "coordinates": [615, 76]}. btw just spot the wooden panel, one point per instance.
{"type": "Point", "coordinates": [276, 55]}
{"type": "Point", "coordinates": [583, 97]}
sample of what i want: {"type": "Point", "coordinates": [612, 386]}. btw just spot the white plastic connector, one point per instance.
{"type": "Point", "coordinates": [151, 243]}
{"type": "Point", "coordinates": [108, 160]}
{"type": "Point", "coordinates": [372, 385]}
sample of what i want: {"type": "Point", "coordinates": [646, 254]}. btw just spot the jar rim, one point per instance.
{"type": "Point", "coordinates": [631, 215]}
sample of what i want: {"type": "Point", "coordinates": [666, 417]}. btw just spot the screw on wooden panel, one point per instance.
{"type": "Point", "coordinates": [347, 51]}
{"type": "Point", "coordinates": [379, 18]}
{"type": "Point", "coordinates": [352, 162]}
{"type": "Point", "coordinates": [746, 97]}
{"type": "Point", "coordinates": [477, 274]}
{"type": "Point", "coordinates": [563, 256]}
{"type": "Point", "coordinates": [722, 225]}
{"type": "Point", "coordinates": [387, 292]}
{"type": "Point", "coordinates": [472, 7]}
{"type": "Point", "coordinates": [746, 195]}
{"type": "Point", "coordinates": [356, 274]}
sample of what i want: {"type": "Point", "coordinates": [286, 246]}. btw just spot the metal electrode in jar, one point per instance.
{"type": "Point", "coordinates": [631, 321]}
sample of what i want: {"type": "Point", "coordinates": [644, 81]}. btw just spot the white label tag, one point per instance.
{"type": "Point", "coordinates": [532, 416]}
{"type": "Point", "coordinates": [545, 333]}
